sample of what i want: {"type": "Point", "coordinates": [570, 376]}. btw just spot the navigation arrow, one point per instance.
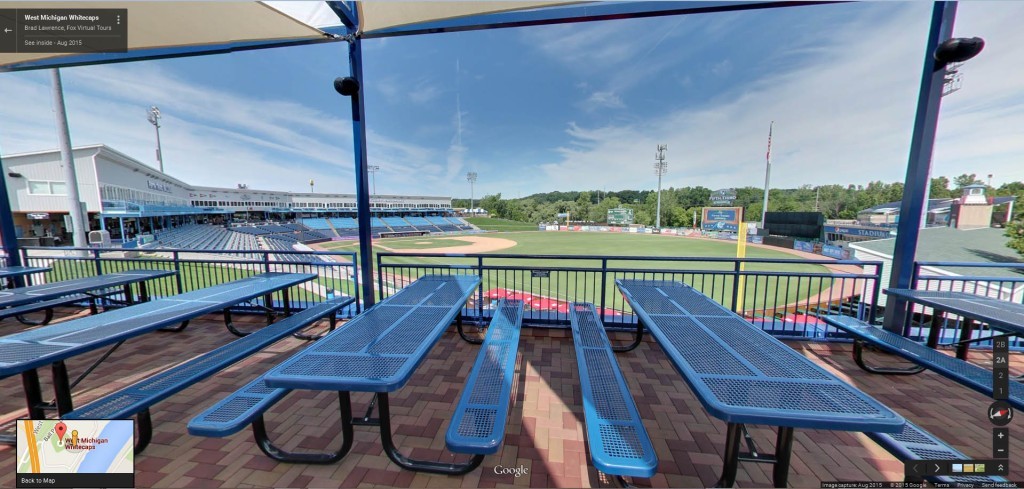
{"type": "Point", "coordinates": [917, 468]}
{"type": "Point", "coordinates": [7, 30]}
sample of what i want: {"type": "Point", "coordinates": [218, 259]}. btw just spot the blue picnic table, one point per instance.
{"type": "Point", "coordinates": [378, 352]}
{"type": "Point", "coordinates": [21, 300]}
{"type": "Point", "coordinates": [20, 271]}
{"type": "Point", "coordinates": [22, 353]}
{"type": "Point", "coordinates": [742, 375]}
{"type": "Point", "coordinates": [998, 314]}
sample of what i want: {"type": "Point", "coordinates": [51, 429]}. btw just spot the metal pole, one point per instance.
{"type": "Point", "coordinates": [10, 240]}
{"type": "Point", "coordinates": [767, 174]}
{"type": "Point", "coordinates": [355, 55]}
{"type": "Point", "coordinates": [918, 167]}
{"type": "Point", "coordinates": [67, 159]}
{"type": "Point", "coordinates": [660, 167]}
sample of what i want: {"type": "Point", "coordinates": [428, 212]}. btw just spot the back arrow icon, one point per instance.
{"type": "Point", "coordinates": [7, 30]}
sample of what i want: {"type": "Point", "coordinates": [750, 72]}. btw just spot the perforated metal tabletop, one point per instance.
{"type": "Point", "coordinates": [39, 293]}
{"type": "Point", "coordinates": [42, 346]}
{"type": "Point", "coordinates": [742, 374]}
{"type": "Point", "coordinates": [1000, 314]}
{"type": "Point", "coordinates": [380, 349]}
{"type": "Point", "coordinates": [7, 272]}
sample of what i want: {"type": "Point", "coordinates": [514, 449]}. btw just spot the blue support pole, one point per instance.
{"type": "Point", "coordinates": [10, 240]}
{"type": "Point", "coordinates": [355, 55]}
{"type": "Point", "coordinates": [120, 222]}
{"type": "Point", "coordinates": [916, 183]}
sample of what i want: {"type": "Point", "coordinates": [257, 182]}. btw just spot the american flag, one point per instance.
{"type": "Point", "coordinates": [768, 155]}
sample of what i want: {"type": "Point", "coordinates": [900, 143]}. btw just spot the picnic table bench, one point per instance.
{"type": "Point", "coordinates": [44, 297]}
{"type": "Point", "coordinates": [140, 396]}
{"type": "Point", "coordinates": [377, 351]}
{"type": "Point", "coordinates": [478, 424]}
{"type": "Point", "coordinates": [960, 371]}
{"type": "Point", "coordinates": [742, 375]}
{"type": "Point", "coordinates": [618, 442]}
{"type": "Point", "coordinates": [22, 353]}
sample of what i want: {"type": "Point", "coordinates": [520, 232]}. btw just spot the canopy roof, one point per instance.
{"type": "Point", "coordinates": [166, 29]}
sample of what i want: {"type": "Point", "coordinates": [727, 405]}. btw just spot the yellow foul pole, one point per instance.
{"type": "Point", "coordinates": [741, 252]}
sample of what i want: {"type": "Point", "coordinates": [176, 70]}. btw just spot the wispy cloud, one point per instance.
{"type": "Point", "coordinates": [602, 100]}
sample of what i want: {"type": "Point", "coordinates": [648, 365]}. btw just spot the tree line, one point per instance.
{"type": "Point", "coordinates": [679, 206]}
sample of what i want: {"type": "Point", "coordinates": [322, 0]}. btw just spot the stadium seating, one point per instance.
{"type": "Point", "coordinates": [316, 223]}
{"type": "Point", "coordinates": [255, 231]}
{"type": "Point", "coordinates": [443, 224]}
{"type": "Point", "coordinates": [422, 224]}
{"type": "Point", "coordinates": [398, 225]}
{"type": "Point", "coordinates": [206, 237]}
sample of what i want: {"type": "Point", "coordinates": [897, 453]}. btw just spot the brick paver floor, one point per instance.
{"type": "Point", "coordinates": [545, 432]}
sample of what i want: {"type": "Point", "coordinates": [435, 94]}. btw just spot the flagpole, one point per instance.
{"type": "Point", "coordinates": [767, 175]}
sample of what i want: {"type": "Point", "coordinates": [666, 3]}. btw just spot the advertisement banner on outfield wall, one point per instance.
{"type": "Point", "coordinates": [836, 252]}
{"type": "Point", "coordinates": [756, 239]}
{"type": "Point", "coordinates": [803, 246]}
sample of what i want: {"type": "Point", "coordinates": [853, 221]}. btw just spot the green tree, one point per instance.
{"type": "Point", "coordinates": [965, 180]}
{"type": "Point", "coordinates": [940, 188]}
{"type": "Point", "coordinates": [1015, 231]}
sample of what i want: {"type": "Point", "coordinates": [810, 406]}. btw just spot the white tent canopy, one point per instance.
{"type": "Point", "coordinates": [216, 25]}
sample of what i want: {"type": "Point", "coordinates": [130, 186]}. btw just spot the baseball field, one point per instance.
{"type": "Point", "coordinates": [511, 275]}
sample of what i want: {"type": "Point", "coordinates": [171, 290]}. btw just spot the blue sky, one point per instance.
{"type": "Point", "coordinates": [568, 107]}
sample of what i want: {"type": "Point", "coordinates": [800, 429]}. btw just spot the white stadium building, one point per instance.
{"type": "Point", "coordinates": [130, 199]}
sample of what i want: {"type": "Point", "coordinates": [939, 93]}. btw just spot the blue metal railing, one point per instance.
{"type": "Point", "coordinates": [197, 269]}
{"type": "Point", "coordinates": [779, 295]}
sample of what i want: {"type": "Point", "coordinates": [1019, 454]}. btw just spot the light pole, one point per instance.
{"type": "Point", "coordinates": [310, 185]}
{"type": "Point", "coordinates": [373, 169]}
{"type": "Point", "coordinates": [471, 178]}
{"type": "Point", "coordinates": [154, 118]}
{"type": "Point", "coordinates": [660, 168]}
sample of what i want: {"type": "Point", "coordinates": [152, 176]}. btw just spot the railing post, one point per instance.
{"type": "Point", "coordinates": [380, 277]}
{"type": "Point", "coordinates": [604, 286]}
{"type": "Point", "coordinates": [735, 283]}
{"type": "Point", "coordinates": [355, 280]}
{"type": "Point", "coordinates": [177, 268]}
{"type": "Point", "coordinates": [480, 289]}
{"type": "Point", "coordinates": [266, 262]}
{"type": "Point", "coordinates": [96, 258]}
{"type": "Point", "coordinates": [877, 289]}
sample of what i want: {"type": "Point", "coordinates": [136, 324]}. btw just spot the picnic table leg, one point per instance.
{"type": "Point", "coordinates": [858, 358]}
{"type": "Point", "coordinates": [938, 318]}
{"type": "Point", "coordinates": [636, 340]}
{"type": "Point", "coordinates": [416, 465]}
{"type": "Point", "coordinates": [231, 326]}
{"type": "Point", "coordinates": [33, 394]}
{"type": "Point", "coordinates": [259, 431]}
{"type": "Point", "coordinates": [732, 455]}
{"type": "Point", "coordinates": [145, 423]}
{"type": "Point", "coordinates": [286, 298]}
{"type": "Point", "coordinates": [62, 388]}
{"type": "Point", "coordinates": [143, 292]}
{"type": "Point", "coordinates": [47, 317]}
{"type": "Point", "coordinates": [462, 333]}
{"type": "Point", "coordinates": [783, 451]}
{"type": "Point", "coordinates": [965, 336]}
{"type": "Point", "coordinates": [129, 299]}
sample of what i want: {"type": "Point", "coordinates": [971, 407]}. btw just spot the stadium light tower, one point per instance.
{"type": "Point", "coordinates": [660, 168]}
{"type": "Point", "coordinates": [471, 178]}
{"type": "Point", "coordinates": [154, 118]}
{"type": "Point", "coordinates": [373, 169]}
{"type": "Point", "coordinates": [310, 185]}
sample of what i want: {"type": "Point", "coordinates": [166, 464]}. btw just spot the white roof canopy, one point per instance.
{"type": "Point", "coordinates": [216, 25]}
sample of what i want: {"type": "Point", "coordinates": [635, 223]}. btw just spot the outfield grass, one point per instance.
{"type": "Point", "coordinates": [570, 285]}
{"type": "Point", "coordinates": [495, 224]}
